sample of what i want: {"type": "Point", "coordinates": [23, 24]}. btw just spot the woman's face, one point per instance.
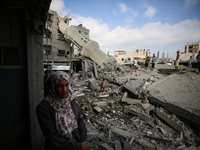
{"type": "Point", "coordinates": [62, 88]}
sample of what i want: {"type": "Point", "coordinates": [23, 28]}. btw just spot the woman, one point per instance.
{"type": "Point", "coordinates": [59, 117]}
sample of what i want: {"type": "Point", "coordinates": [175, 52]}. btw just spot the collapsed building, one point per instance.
{"type": "Point", "coordinates": [124, 116]}
{"type": "Point", "coordinates": [67, 45]}
{"type": "Point", "coordinates": [139, 110]}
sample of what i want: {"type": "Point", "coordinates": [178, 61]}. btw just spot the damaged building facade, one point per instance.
{"type": "Point", "coordinates": [57, 51]}
{"type": "Point", "coordinates": [190, 51]}
{"type": "Point", "coordinates": [123, 56]}
{"type": "Point", "coordinates": [138, 110]}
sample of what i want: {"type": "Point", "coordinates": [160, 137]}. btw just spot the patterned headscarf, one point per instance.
{"type": "Point", "coordinates": [65, 119]}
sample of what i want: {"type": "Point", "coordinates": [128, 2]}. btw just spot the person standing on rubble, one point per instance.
{"type": "Point", "coordinates": [177, 61]}
{"type": "Point", "coordinates": [153, 62]}
{"type": "Point", "coordinates": [147, 61]}
{"type": "Point", "coordinates": [59, 117]}
{"type": "Point", "coordinates": [135, 67]}
{"type": "Point", "coordinates": [102, 86]}
{"type": "Point", "coordinates": [198, 61]}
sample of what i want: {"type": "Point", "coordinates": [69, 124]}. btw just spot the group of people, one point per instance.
{"type": "Point", "coordinates": [147, 62]}
{"type": "Point", "coordinates": [59, 117]}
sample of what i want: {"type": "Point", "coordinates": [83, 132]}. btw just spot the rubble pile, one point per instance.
{"type": "Point", "coordinates": [123, 117]}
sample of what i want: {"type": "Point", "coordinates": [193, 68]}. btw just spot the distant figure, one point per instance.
{"type": "Point", "coordinates": [47, 74]}
{"type": "Point", "coordinates": [135, 67]}
{"type": "Point", "coordinates": [198, 61]}
{"type": "Point", "coordinates": [177, 61]}
{"type": "Point", "coordinates": [147, 61]}
{"type": "Point", "coordinates": [102, 87]}
{"type": "Point", "coordinates": [71, 73]}
{"type": "Point", "coordinates": [153, 62]}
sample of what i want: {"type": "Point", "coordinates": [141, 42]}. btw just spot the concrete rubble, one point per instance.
{"type": "Point", "coordinates": [139, 110]}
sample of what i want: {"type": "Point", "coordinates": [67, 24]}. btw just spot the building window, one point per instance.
{"type": "Point", "coordinates": [122, 59]}
{"type": "Point", "coordinates": [47, 49]}
{"type": "Point", "coordinates": [60, 36]}
{"type": "Point", "coordinates": [129, 59]}
{"type": "Point", "coordinates": [47, 33]}
{"type": "Point", "coordinates": [79, 31]}
{"type": "Point", "coordinates": [61, 52]}
{"type": "Point", "coordinates": [116, 55]}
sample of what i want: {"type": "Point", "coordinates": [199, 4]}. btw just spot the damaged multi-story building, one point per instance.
{"type": "Point", "coordinates": [123, 56]}
{"type": "Point", "coordinates": [66, 45]}
{"type": "Point", "coordinates": [59, 53]}
{"type": "Point", "coordinates": [190, 51]}
{"type": "Point", "coordinates": [140, 110]}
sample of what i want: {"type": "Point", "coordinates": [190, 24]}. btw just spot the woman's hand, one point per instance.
{"type": "Point", "coordinates": [85, 146]}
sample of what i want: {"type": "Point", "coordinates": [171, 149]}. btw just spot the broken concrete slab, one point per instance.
{"type": "Point", "coordinates": [130, 90]}
{"type": "Point", "coordinates": [173, 121]}
{"type": "Point", "coordinates": [145, 144]}
{"type": "Point", "coordinates": [180, 95]}
{"type": "Point", "coordinates": [132, 101]}
{"type": "Point", "coordinates": [127, 146]}
{"type": "Point", "coordinates": [98, 109]}
{"type": "Point", "coordinates": [118, 145]}
{"type": "Point", "coordinates": [134, 111]}
{"type": "Point", "coordinates": [121, 132]}
{"type": "Point", "coordinates": [105, 146]}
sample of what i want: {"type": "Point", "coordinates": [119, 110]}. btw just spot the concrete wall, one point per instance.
{"type": "Point", "coordinates": [21, 68]}
{"type": "Point", "coordinates": [55, 42]}
{"type": "Point", "coordinates": [123, 56]}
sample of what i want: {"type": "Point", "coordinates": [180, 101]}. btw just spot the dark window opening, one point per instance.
{"type": "Point", "coordinates": [47, 49]}
{"type": "Point", "coordinates": [61, 52]}
{"type": "Point", "coordinates": [47, 33]}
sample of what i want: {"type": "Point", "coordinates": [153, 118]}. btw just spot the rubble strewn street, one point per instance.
{"type": "Point", "coordinates": [139, 110]}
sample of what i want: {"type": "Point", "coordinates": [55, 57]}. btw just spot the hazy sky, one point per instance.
{"type": "Point", "coordinates": [158, 25]}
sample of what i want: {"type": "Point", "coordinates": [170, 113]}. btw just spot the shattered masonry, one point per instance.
{"type": "Point", "coordinates": [139, 110]}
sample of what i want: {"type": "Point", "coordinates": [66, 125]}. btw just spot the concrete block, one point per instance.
{"type": "Point", "coordinates": [129, 109]}
{"type": "Point", "coordinates": [130, 90]}
{"type": "Point", "coordinates": [121, 132]}
{"type": "Point", "coordinates": [105, 146]}
{"type": "Point", "coordinates": [173, 122]}
{"type": "Point", "coordinates": [132, 101]}
{"type": "Point", "coordinates": [145, 144]}
{"type": "Point", "coordinates": [127, 146]}
{"type": "Point", "coordinates": [118, 145]}
{"type": "Point", "coordinates": [98, 109]}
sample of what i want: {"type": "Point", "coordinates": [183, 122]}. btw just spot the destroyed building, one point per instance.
{"type": "Point", "coordinates": [57, 51]}
{"type": "Point", "coordinates": [123, 56]}
{"type": "Point", "coordinates": [190, 51]}
{"type": "Point", "coordinates": [67, 45]}
{"type": "Point", "coordinates": [139, 110]}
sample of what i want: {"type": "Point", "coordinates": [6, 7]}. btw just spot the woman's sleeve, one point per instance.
{"type": "Point", "coordinates": [81, 126]}
{"type": "Point", "coordinates": [46, 120]}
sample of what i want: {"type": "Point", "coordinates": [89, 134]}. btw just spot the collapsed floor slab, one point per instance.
{"type": "Point", "coordinates": [180, 94]}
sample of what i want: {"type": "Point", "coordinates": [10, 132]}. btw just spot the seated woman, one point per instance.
{"type": "Point", "coordinates": [59, 117]}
